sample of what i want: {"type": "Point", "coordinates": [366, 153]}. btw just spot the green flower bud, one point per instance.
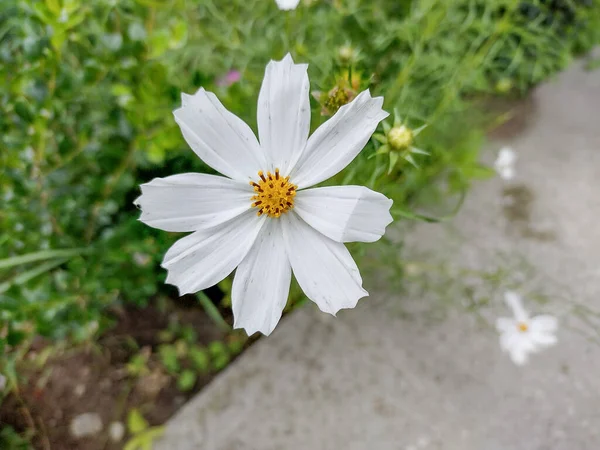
{"type": "Point", "coordinates": [400, 138]}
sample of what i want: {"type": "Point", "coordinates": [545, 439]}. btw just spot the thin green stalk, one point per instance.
{"type": "Point", "coordinates": [212, 312]}
{"type": "Point", "coordinates": [430, 219]}
{"type": "Point", "coordinates": [24, 277]}
{"type": "Point", "coordinates": [39, 256]}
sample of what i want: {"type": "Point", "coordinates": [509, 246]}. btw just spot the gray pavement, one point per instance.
{"type": "Point", "coordinates": [418, 366]}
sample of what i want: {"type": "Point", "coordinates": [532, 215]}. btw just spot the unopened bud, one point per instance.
{"type": "Point", "coordinates": [400, 138]}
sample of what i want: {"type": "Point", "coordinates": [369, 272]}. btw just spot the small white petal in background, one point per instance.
{"type": "Point", "coordinates": [522, 335]}
{"type": "Point", "coordinates": [505, 163]}
{"type": "Point", "coordinates": [2, 382]}
{"type": "Point", "coordinates": [287, 5]}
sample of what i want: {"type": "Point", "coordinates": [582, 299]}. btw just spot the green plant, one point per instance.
{"type": "Point", "coordinates": [184, 359]}
{"type": "Point", "coordinates": [169, 358]}
{"type": "Point", "coordinates": [138, 364]}
{"type": "Point", "coordinates": [11, 440]}
{"type": "Point", "coordinates": [200, 359]}
{"type": "Point", "coordinates": [142, 435]}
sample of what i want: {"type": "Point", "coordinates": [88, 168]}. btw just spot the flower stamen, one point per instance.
{"type": "Point", "coordinates": [522, 327]}
{"type": "Point", "coordinates": [274, 194]}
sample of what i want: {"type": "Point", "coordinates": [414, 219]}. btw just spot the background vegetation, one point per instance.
{"type": "Point", "coordinates": [86, 94]}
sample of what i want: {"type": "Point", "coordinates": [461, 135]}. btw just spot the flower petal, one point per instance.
{"type": "Point", "coordinates": [284, 113]}
{"type": "Point", "coordinates": [506, 173]}
{"type": "Point", "coordinates": [337, 142]}
{"type": "Point", "coordinates": [543, 329]}
{"type": "Point", "coordinates": [505, 324]}
{"type": "Point", "coordinates": [262, 282]}
{"type": "Point", "coordinates": [345, 213]}
{"type": "Point", "coordinates": [519, 356]}
{"type": "Point", "coordinates": [287, 5]}
{"type": "Point", "coordinates": [221, 139]}
{"type": "Point", "coordinates": [513, 300]}
{"type": "Point", "coordinates": [506, 157]}
{"type": "Point", "coordinates": [324, 268]}
{"type": "Point", "coordinates": [192, 201]}
{"type": "Point", "coordinates": [204, 258]}
{"type": "Point", "coordinates": [542, 340]}
{"type": "Point", "coordinates": [544, 323]}
{"type": "Point", "coordinates": [509, 339]}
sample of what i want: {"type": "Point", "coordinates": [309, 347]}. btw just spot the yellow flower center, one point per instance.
{"type": "Point", "coordinates": [274, 194]}
{"type": "Point", "coordinates": [522, 327]}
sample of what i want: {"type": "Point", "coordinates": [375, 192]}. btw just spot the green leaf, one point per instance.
{"type": "Point", "coordinates": [383, 150]}
{"type": "Point", "coordinates": [74, 20]}
{"type": "Point", "coordinates": [144, 440]}
{"type": "Point", "coordinates": [220, 354]}
{"type": "Point", "coordinates": [479, 172]}
{"type": "Point", "coordinates": [24, 277]}
{"type": "Point", "coordinates": [168, 356]}
{"type": "Point", "coordinates": [417, 131]}
{"type": "Point", "coordinates": [221, 361]}
{"type": "Point", "coordinates": [136, 422]}
{"type": "Point", "coordinates": [165, 336]}
{"type": "Point", "coordinates": [217, 348]}
{"type": "Point", "coordinates": [53, 6]}
{"type": "Point", "coordinates": [200, 359]}
{"type": "Point", "coordinates": [138, 365]}
{"type": "Point", "coordinates": [179, 35]}
{"type": "Point", "coordinates": [411, 160]}
{"type": "Point", "coordinates": [38, 256]}
{"type": "Point", "coordinates": [159, 43]}
{"type": "Point", "coordinates": [155, 154]}
{"type": "Point", "coordinates": [419, 151]}
{"type": "Point", "coordinates": [57, 40]}
{"type": "Point", "coordinates": [12, 440]}
{"type": "Point", "coordinates": [186, 380]}
{"type": "Point", "coordinates": [397, 118]}
{"type": "Point", "coordinates": [394, 156]}
{"type": "Point", "coordinates": [235, 346]}
{"type": "Point", "coordinates": [380, 137]}
{"type": "Point", "coordinates": [42, 13]}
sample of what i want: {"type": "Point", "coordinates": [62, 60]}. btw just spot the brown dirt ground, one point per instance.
{"type": "Point", "coordinates": [94, 379]}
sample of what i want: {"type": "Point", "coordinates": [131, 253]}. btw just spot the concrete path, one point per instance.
{"type": "Point", "coordinates": [418, 366]}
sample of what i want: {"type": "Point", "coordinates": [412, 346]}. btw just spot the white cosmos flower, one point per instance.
{"type": "Point", "coordinates": [522, 335]}
{"type": "Point", "coordinates": [287, 5]}
{"type": "Point", "coordinates": [505, 163]}
{"type": "Point", "coordinates": [260, 217]}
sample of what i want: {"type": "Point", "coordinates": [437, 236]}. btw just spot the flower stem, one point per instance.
{"type": "Point", "coordinates": [212, 312]}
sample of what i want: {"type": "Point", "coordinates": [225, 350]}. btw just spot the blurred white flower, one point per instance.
{"type": "Point", "coordinates": [287, 5]}
{"type": "Point", "coordinates": [260, 217]}
{"type": "Point", "coordinates": [505, 163]}
{"type": "Point", "coordinates": [522, 335]}
{"type": "Point", "coordinates": [2, 382]}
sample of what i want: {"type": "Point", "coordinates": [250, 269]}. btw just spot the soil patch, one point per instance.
{"type": "Point", "coordinates": [96, 378]}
